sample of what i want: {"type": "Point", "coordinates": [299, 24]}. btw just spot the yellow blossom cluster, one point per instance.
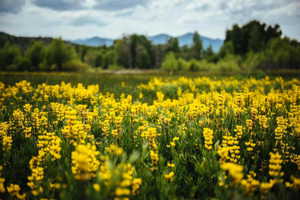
{"type": "Point", "coordinates": [275, 165]}
{"type": "Point", "coordinates": [49, 143]}
{"type": "Point", "coordinates": [234, 170]}
{"type": "Point", "coordinates": [85, 162]}
{"type": "Point", "coordinates": [229, 149]}
{"type": "Point", "coordinates": [5, 136]}
{"type": "Point", "coordinates": [120, 178]}
{"type": "Point", "coordinates": [208, 138]}
{"type": "Point", "coordinates": [14, 190]}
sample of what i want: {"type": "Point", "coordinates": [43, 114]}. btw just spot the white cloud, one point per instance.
{"type": "Point", "coordinates": [112, 18]}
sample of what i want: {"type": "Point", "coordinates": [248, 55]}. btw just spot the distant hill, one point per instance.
{"type": "Point", "coordinates": [186, 39]}
{"type": "Point", "coordinates": [160, 38]}
{"type": "Point", "coordinates": [23, 42]}
{"type": "Point", "coordinates": [94, 41]}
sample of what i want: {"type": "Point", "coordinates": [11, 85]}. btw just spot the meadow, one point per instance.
{"type": "Point", "coordinates": [149, 136]}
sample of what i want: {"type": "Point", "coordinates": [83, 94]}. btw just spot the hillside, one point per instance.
{"type": "Point", "coordinates": [23, 42]}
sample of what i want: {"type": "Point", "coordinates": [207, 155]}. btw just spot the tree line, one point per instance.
{"type": "Point", "coordinates": [252, 46]}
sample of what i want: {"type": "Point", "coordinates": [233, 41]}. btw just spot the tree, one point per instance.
{"type": "Point", "coordinates": [158, 54]}
{"type": "Point", "coordinates": [99, 60]}
{"type": "Point", "coordinates": [9, 55]}
{"type": "Point", "coordinates": [59, 53]}
{"type": "Point", "coordinates": [122, 50]}
{"type": "Point", "coordinates": [170, 63]}
{"type": "Point", "coordinates": [23, 63]}
{"type": "Point", "coordinates": [208, 53]}
{"type": "Point", "coordinates": [109, 58]}
{"type": "Point", "coordinates": [35, 54]}
{"type": "Point", "coordinates": [253, 36]}
{"type": "Point", "coordinates": [173, 45]}
{"type": "Point", "coordinates": [226, 49]}
{"type": "Point", "coordinates": [134, 51]}
{"type": "Point", "coordinates": [197, 47]}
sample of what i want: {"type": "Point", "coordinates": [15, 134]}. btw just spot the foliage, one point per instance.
{"type": "Point", "coordinates": [197, 47]}
{"type": "Point", "coordinates": [253, 36]}
{"type": "Point", "coordinates": [180, 138]}
{"type": "Point", "coordinates": [230, 64]}
{"type": "Point", "coordinates": [249, 47]}
{"type": "Point", "coordinates": [114, 67]}
{"type": "Point", "coordinates": [58, 53]}
{"type": "Point", "coordinates": [134, 51]}
{"type": "Point", "coordinates": [9, 56]}
{"type": "Point", "coordinates": [170, 63]}
{"type": "Point", "coordinates": [35, 54]}
{"type": "Point", "coordinates": [279, 54]}
{"type": "Point", "coordinates": [75, 66]}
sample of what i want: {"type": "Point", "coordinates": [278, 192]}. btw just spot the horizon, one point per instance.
{"type": "Point", "coordinates": [99, 36]}
{"type": "Point", "coordinates": [78, 19]}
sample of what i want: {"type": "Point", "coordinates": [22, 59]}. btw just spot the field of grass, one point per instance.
{"type": "Point", "coordinates": [145, 136]}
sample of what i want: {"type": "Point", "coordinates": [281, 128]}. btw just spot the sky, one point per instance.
{"type": "Point", "coordinates": [74, 19]}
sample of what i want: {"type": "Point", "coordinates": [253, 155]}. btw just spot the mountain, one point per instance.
{"type": "Point", "coordinates": [159, 39]}
{"type": "Point", "coordinates": [186, 39]}
{"type": "Point", "coordinates": [94, 41]}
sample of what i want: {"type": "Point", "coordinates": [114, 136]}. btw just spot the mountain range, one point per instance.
{"type": "Point", "coordinates": [186, 39]}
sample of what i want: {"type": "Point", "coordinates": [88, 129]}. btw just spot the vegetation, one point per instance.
{"type": "Point", "coordinates": [163, 138]}
{"type": "Point", "coordinates": [250, 47]}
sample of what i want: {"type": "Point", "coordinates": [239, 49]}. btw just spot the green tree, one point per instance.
{"type": "Point", "coordinates": [123, 54]}
{"type": "Point", "coordinates": [170, 63]}
{"type": "Point", "coordinates": [158, 55]}
{"type": "Point", "coordinates": [8, 56]}
{"type": "Point", "coordinates": [173, 45]}
{"type": "Point", "coordinates": [36, 55]}
{"type": "Point", "coordinates": [197, 47]}
{"type": "Point", "coordinates": [99, 60]}
{"type": "Point", "coordinates": [59, 53]}
{"type": "Point", "coordinates": [134, 51]}
{"type": "Point", "coordinates": [23, 63]}
{"type": "Point", "coordinates": [208, 54]}
{"type": "Point", "coordinates": [226, 49]}
{"type": "Point", "coordinates": [110, 58]}
{"type": "Point", "coordinates": [253, 36]}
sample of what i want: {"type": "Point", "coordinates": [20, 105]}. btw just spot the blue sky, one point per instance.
{"type": "Point", "coordinates": [73, 19]}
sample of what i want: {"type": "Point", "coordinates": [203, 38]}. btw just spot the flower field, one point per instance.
{"type": "Point", "coordinates": [168, 138]}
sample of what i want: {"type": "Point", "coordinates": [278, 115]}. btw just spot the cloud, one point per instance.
{"type": "Point", "coordinates": [61, 5]}
{"type": "Point", "coordinates": [117, 17]}
{"type": "Point", "coordinates": [87, 20]}
{"type": "Point", "coordinates": [126, 13]}
{"type": "Point", "coordinates": [11, 6]}
{"type": "Point", "coordinates": [114, 5]}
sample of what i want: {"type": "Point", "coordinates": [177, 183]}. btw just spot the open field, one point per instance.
{"type": "Point", "coordinates": [149, 136]}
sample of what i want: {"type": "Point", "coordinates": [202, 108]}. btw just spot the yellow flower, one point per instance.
{"type": "Point", "coordinates": [208, 138]}
{"type": "Point", "coordinates": [169, 176]}
{"type": "Point", "coordinates": [122, 191]}
{"type": "Point", "coordinates": [96, 187]}
{"type": "Point", "coordinates": [84, 162]}
{"type": "Point", "coordinates": [235, 171]}
{"type": "Point", "coordinates": [170, 165]}
{"type": "Point", "coordinates": [114, 149]}
{"type": "Point", "coordinates": [275, 165]}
